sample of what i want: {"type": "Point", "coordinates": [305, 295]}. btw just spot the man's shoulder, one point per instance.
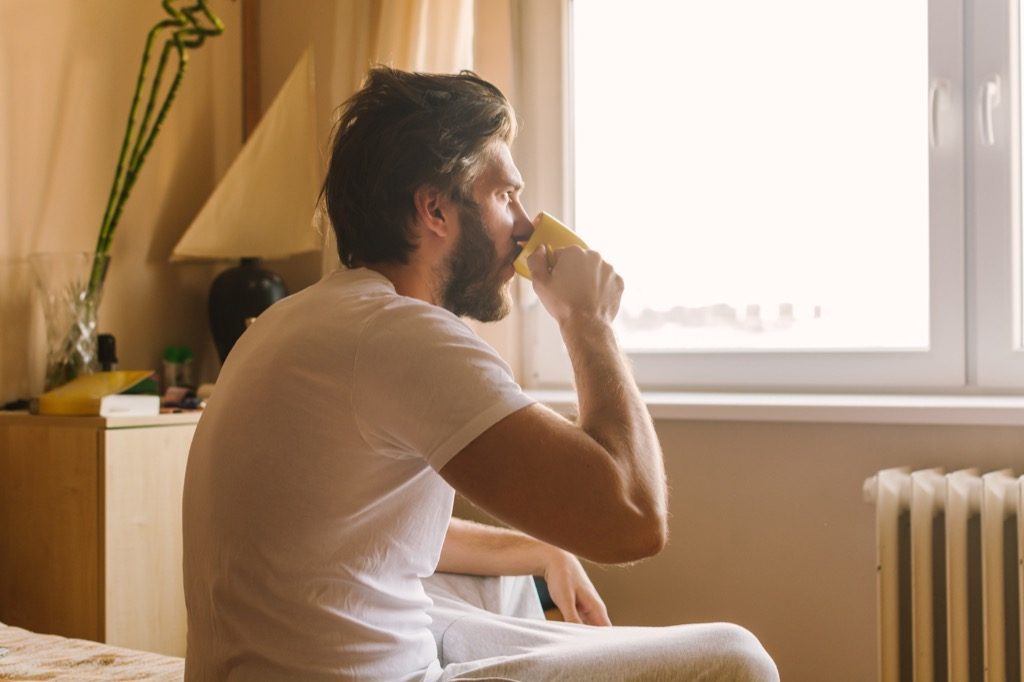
{"type": "Point", "coordinates": [408, 320]}
{"type": "Point", "coordinates": [390, 314]}
{"type": "Point", "coordinates": [420, 331]}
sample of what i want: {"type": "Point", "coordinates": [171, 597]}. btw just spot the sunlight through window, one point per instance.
{"type": "Point", "coordinates": [757, 172]}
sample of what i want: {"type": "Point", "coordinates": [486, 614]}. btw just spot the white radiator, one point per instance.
{"type": "Point", "coordinates": [950, 575]}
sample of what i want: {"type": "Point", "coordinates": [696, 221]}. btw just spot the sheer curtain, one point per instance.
{"type": "Point", "coordinates": [438, 36]}
{"type": "Point", "coordinates": [425, 35]}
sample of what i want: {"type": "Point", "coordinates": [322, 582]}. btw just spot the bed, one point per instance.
{"type": "Point", "coordinates": [26, 655]}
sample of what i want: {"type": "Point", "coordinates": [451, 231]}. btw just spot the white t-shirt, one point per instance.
{"type": "Point", "coordinates": [312, 505]}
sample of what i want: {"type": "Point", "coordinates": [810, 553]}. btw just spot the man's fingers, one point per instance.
{"type": "Point", "coordinates": [593, 609]}
{"type": "Point", "coordinates": [570, 613]}
{"type": "Point", "coordinates": [538, 263]}
{"type": "Point", "coordinates": [598, 617]}
{"type": "Point", "coordinates": [564, 596]}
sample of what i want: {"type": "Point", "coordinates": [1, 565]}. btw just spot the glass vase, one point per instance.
{"type": "Point", "coordinates": [69, 311]}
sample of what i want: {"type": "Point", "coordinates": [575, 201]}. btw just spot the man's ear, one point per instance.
{"type": "Point", "coordinates": [432, 209]}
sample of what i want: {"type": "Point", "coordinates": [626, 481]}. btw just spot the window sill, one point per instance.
{"type": "Point", "coordinates": [979, 410]}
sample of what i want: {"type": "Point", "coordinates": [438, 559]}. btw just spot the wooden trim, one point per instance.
{"type": "Point", "coordinates": [100, 484]}
{"type": "Point", "coordinates": [170, 419]}
{"type": "Point", "coordinates": [251, 110]}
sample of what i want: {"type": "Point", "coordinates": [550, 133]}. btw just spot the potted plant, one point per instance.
{"type": "Point", "coordinates": [72, 284]}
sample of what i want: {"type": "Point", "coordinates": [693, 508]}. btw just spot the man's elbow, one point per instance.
{"type": "Point", "coordinates": [650, 539]}
{"type": "Point", "coordinates": [659, 537]}
{"type": "Point", "coordinates": [642, 540]}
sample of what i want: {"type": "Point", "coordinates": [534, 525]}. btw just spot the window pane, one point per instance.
{"type": "Point", "coordinates": [757, 171]}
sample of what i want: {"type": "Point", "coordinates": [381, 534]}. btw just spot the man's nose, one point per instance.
{"type": "Point", "coordinates": [523, 227]}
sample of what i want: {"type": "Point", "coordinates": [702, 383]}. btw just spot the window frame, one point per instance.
{"type": "Point", "coordinates": [957, 302]}
{"type": "Point", "coordinates": [994, 196]}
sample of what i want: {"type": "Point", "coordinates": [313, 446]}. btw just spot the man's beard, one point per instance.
{"type": "Point", "coordinates": [474, 286]}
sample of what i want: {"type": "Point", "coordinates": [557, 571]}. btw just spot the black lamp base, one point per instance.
{"type": "Point", "coordinates": [237, 296]}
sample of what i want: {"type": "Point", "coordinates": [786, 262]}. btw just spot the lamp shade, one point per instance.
{"type": "Point", "coordinates": [264, 205]}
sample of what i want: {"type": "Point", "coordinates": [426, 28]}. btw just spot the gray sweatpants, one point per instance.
{"type": "Point", "coordinates": [494, 629]}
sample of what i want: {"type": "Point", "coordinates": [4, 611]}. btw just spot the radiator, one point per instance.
{"type": "Point", "coordinates": [950, 575]}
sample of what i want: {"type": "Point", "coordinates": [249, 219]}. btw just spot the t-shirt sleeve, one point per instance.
{"type": "Point", "coordinates": [424, 385]}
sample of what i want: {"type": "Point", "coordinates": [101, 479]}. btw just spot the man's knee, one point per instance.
{"type": "Point", "coordinates": [741, 657]}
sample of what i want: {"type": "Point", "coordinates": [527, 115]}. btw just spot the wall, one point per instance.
{"type": "Point", "coordinates": [769, 529]}
{"type": "Point", "coordinates": [67, 75]}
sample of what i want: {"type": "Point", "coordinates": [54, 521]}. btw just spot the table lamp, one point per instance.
{"type": "Point", "coordinates": [263, 208]}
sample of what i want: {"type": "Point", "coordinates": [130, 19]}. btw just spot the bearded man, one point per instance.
{"type": "Point", "coordinates": [320, 483]}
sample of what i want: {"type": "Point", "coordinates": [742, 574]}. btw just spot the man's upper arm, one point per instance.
{"type": "Point", "coordinates": [544, 475]}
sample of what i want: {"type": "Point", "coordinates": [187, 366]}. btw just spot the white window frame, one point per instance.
{"type": "Point", "coordinates": [993, 191]}
{"type": "Point", "coordinates": [974, 213]}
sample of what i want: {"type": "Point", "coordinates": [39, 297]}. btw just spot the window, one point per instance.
{"type": "Point", "coordinates": [994, 190]}
{"type": "Point", "coordinates": [790, 208]}
{"type": "Point", "coordinates": [801, 194]}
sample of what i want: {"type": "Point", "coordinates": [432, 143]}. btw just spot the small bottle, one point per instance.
{"type": "Point", "coordinates": [106, 352]}
{"type": "Point", "coordinates": [178, 367]}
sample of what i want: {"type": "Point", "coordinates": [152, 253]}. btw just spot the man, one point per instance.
{"type": "Point", "coordinates": [320, 483]}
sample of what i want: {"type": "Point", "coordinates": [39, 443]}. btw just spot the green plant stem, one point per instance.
{"type": "Point", "coordinates": [143, 144]}
{"type": "Point", "coordinates": [150, 102]}
{"type": "Point", "coordinates": [140, 81]}
{"type": "Point", "coordinates": [188, 34]}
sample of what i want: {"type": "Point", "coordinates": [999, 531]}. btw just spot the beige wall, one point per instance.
{"type": "Point", "coordinates": [769, 529]}
{"type": "Point", "coordinates": [67, 74]}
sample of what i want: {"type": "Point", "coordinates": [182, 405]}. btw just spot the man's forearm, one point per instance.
{"type": "Point", "coordinates": [613, 413]}
{"type": "Point", "coordinates": [477, 549]}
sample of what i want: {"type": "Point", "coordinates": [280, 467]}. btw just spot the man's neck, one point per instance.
{"type": "Point", "coordinates": [413, 279]}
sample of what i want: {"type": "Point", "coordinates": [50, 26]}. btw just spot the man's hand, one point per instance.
{"type": "Point", "coordinates": [572, 591]}
{"type": "Point", "coordinates": [478, 549]}
{"type": "Point", "coordinates": [578, 284]}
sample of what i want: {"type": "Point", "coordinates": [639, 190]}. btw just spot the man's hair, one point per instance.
{"type": "Point", "coordinates": [402, 131]}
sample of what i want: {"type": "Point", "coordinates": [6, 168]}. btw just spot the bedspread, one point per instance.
{"type": "Point", "coordinates": [25, 655]}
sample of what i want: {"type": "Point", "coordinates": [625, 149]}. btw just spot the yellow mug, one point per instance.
{"type": "Point", "coordinates": [553, 234]}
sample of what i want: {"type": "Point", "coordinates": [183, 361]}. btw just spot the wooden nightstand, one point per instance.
{"type": "Point", "coordinates": [90, 527]}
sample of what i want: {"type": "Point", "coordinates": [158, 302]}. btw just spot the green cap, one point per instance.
{"type": "Point", "coordinates": [177, 353]}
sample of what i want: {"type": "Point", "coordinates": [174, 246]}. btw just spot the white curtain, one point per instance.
{"type": "Point", "coordinates": [437, 36]}
{"type": "Point", "coordinates": [424, 35]}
